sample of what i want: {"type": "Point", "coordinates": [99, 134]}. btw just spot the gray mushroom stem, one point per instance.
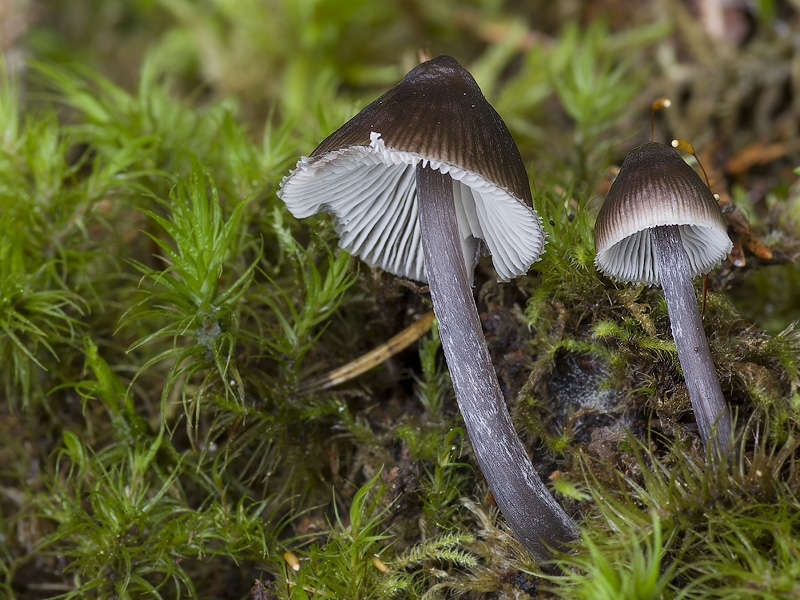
{"type": "Point", "coordinates": [705, 393]}
{"type": "Point", "coordinates": [530, 510]}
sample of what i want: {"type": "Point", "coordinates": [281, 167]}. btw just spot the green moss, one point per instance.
{"type": "Point", "coordinates": [160, 313]}
{"type": "Point", "coordinates": [690, 529]}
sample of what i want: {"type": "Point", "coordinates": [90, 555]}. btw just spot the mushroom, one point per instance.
{"type": "Point", "coordinates": [416, 182]}
{"type": "Point", "coordinates": [660, 224]}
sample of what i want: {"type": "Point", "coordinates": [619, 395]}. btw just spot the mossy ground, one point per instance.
{"type": "Point", "coordinates": [160, 310]}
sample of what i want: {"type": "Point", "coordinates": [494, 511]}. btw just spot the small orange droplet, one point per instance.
{"type": "Point", "coordinates": [291, 560]}
{"type": "Point", "coordinates": [662, 102]}
{"type": "Point", "coordinates": [379, 564]}
{"type": "Point", "coordinates": [757, 247]}
{"type": "Point", "coordinates": [683, 145]}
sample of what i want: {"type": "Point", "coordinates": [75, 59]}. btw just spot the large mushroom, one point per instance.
{"type": "Point", "coordinates": [660, 225]}
{"type": "Point", "coordinates": [416, 183]}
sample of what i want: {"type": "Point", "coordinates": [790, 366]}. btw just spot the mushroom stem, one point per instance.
{"type": "Point", "coordinates": [710, 409]}
{"type": "Point", "coordinates": [530, 510]}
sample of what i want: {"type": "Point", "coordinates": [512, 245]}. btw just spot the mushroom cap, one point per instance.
{"type": "Point", "coordinates": [364, 174]}
{"type": "Point", "coordinates": [656, 187]}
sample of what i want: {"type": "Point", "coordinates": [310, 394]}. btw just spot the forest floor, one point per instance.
{"type": "Point", "coordinates": [165, 321]}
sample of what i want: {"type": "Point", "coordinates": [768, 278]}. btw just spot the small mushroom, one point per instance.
{"type": "Point", "coordinates": [416, 183]}
{"type": "Point", "coordinates": [660, 224]}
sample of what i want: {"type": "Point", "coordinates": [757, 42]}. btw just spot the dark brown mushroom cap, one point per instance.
{"type": "Point", "coordinates": [364, 175]}
{"type": "Point", "coordinates": [656, 187]}
{"type": "Point", "coordinates": [439, 112]}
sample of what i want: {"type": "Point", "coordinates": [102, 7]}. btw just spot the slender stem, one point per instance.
{"type": "Point", "coordinates": [708, 404]}
{"type": "Point", "coordinates": [530, 510]}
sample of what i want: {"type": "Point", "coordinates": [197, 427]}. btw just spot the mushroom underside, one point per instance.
{"type": "Point", "coordinates": [632, 258]}
{"type": "Point", "coordinates": [372, 197]}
